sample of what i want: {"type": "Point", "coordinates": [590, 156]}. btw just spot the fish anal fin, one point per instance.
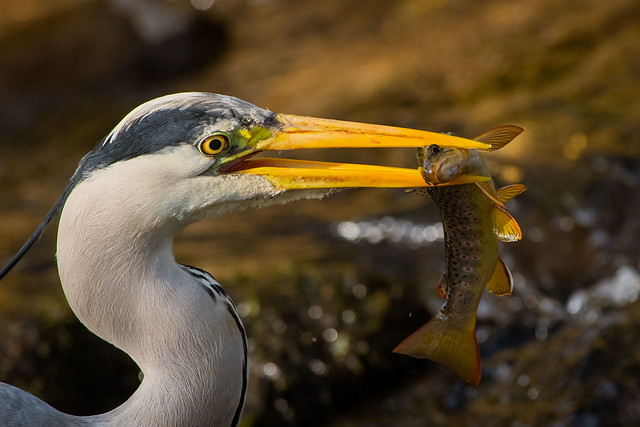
{"type": "Point", "coordinates": [510, 191]}
{"type": "Point", "coordinates": [501, 281]}
{"type": "Point", "coordinates": [505, 227]}
{"type": "Point", "coordinates": [499, 136]}
{"type": "Point", "coordinates": [451, 345]}
{"type": "Point", "coordinates": [442, 287]}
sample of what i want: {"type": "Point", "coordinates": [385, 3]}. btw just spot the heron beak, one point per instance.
{"type": "Point", "coordinates": [298, 132]}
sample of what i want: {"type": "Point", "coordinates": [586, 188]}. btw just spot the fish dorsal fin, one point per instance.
{"type": "Point", "coordinates": [499, 136]}
{"type": "Point", "coordinates": [442, 286]}
{"type": "Point", "coordinates": [505, 227]}
{"type": "Point", "coordinates": [501, 281]}
{"type": "Point", "coordinates": [510, 191]}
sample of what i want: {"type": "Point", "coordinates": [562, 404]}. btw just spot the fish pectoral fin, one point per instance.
{"type": "Point", "coordinates": [505, 227]}
{"type": "Point", "coordinates": [501, 281]}
{"type": "Point", "coordinates": [452, 345]}
{"type": "Point", "coordinates": [442, 286]}
{"type": "Point", "coordinates": [510, 191]}
{"type": "Point", "coordinates": [499, 136]}
{"type": "Point", "coordinates": [488, 191]}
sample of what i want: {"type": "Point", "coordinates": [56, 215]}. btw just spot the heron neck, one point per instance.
{"type": "Point", "coordinates": [123, 283]}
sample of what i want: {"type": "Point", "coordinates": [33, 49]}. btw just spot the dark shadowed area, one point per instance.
{"type": "Point", "coordinates": [328, 288]}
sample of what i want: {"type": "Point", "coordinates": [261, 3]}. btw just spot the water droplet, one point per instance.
{"type": "Point", "coordinates": [577, 301]}
{"type": "Point", "coordinates": [318, 367]}
{"type": "Point", "coordinates": [202, 4]}
{"type": "Point", "coordinates": [349, 230]}
{"type": "Point", "coordinates": [279, 327]}
{"type": "Point", "coordinates": [566, 223]}
{"type": "Point", "coordinates": [330, 335]}
{"type": "Point", "coordinates": [271, 370]}
{"type": "Point", "coordinates": [530, 301]}
{"type": "Point", "coordinates": [523, 380]}
{"type": "Point", "coordinates": [315, 312]}
{"type": "Point", "coordinates": [536, 234]}
{"type": "Point", "coordinates": [503, 372]}
{"type": "Point", "coordinates": [248, 308]}
{"type": "Point", "coordinates": [592, 315]}
{"type": "Point", "coordinates": [359, 290]}
{"type": "Point", "coordinates": [307, 338]}
{"type": "Point", "coordinates": [348, 316]}
{"type": "Point", "coordinates": [281, 404]}
{"type": "Point", "coordinates": [542, 333]}
{"type": "Point", "coordinates": [481, 335]}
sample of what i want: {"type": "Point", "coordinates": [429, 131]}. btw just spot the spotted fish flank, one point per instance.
{"type": "Point", "coordinates": [474, 220]}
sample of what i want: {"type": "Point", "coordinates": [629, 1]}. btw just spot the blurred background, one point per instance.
{"type": "Point", "coordinates": [328, 288]}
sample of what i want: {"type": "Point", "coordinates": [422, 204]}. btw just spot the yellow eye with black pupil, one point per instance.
{"type": "Point", "coordinates": [213, 145]}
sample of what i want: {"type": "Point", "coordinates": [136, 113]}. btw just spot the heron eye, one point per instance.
{"type": "Point", "coordinates": [213, 145]}
{"type": "Point", "coordinates": [434, 149]}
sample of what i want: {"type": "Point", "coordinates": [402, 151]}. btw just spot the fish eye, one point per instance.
{"type": "Point", "coordinates": [434, 149]}
{"type": "Point", "coordinates": [213, 145]}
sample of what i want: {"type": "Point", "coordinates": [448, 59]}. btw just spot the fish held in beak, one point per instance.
{"type": "Point", "coordinates": [298, 132]}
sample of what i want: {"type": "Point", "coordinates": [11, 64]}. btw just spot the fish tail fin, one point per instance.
{"type": "Point", "coordinates": [501, 281]}
{"type": "Point", "coordinates": [510, 191]}
{"type": "Point", "coordinates": [449, 344]}
{"type": "Point", "coordinates": [499, 136]}
{"type": "Point", "coordinates": [505, 227]}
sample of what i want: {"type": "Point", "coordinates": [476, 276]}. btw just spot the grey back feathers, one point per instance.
{"type": "Point", "coordinates": [215, 291]}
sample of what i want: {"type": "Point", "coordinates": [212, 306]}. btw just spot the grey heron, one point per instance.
{"type": "Point", "coordinates": [170, 162]}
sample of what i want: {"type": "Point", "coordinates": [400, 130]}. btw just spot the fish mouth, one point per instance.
{"type": "Point", "coordinates": [434, 177]}
{"type": "Point", "coordinates": [298, 132]}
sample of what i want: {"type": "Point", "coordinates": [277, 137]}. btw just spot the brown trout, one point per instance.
{"type": "Point", "coordinates": [474, 219]}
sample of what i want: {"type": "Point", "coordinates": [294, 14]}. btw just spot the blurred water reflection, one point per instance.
{"type": "Point", "coordinates": [612, 292]}
{"type": "Point", "coordinates": [389, 229]}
